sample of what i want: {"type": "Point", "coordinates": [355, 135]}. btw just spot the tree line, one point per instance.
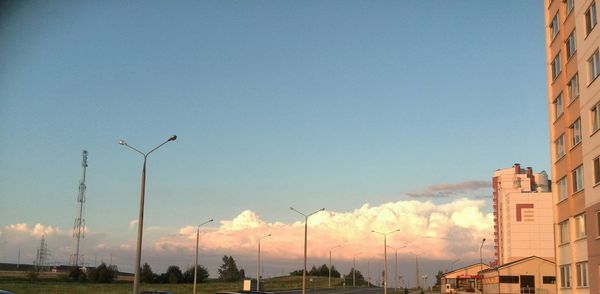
{"type": "Point", "coordinates": [228, 272]}
{"type": "Point", "coordinates": [323, 271]}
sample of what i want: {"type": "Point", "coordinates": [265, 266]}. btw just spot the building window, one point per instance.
{"type": "Point", "coordinates": [558, 106]}
{"type": "Point", "coordinates": [575, 132]}
{"type": "Point", "coordinates": [580, 226]}
{"type": "Point", "coordinates": [570, 44]}
{"type": "Point", "coordinates": [564, 232]}
{"type": "Point", "coordinates": [559, 146]}
{"type": "Point", "coordinates": [573, 87]}
{"type": "Point", "coordinates": [561, 186]}
{"type": "Point", "coordinates": [549, 280]}
{"type": "Point", "coordinates": [597, 170]}
{"type": "Point", "coordinates": [569, 5]}
{"type": "Point", "coordinates": [577, 179]}
{"type": "Point", "coordinates": [598, 222]}
{"type": "Point", "coordinates": [595, 117]}
{"type": "Point", "coordinates": [582, 274]}
{"type": "Point", "coordinates": [594, 65]}
{"type": "Point", "coordinates": [509, 279]}
{"type": "Point", "coordinates": [555, 25]}
{"type": "Point", "coordinates": [556, 66]}
{"type": "Point", "coordinates": [590, 18]}
{"type": "Point", "coordinates": [565, 276]}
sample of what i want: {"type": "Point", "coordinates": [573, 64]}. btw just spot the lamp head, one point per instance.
{"type": "Point", "coordinates": [122, 142]}
{"type": "Point", "coordinates": [269, 235]}
{"type": "Point", "coordinates": [173, 138]}
{"type": "Point", "coordinates": [483, 240]}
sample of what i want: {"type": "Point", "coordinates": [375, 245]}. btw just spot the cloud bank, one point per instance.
{"type": "Point", "coordinates": [426, 228]}
{"type": "Point", "coordinates": [436, 231]}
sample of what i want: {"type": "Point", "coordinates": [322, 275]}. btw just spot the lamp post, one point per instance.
{"type": "Point", "coordinates": [385, 256]}
{"type": "Point", "coordinates": [425, 284]}
{"type": "Point", "coordinates": [480, 260]}
{"type": "Point", "coordinates": [481, 255]}
{"type": "Point", "coordinates": [138, 254]}
{"type": "Point", "coordinates": [396, 265]}
{"type": "Point", "coordinates": [258, 265]}
{"type": "Point", "coordinates": [197, 241]}
{"type": "Point", "coordinates": [305, 235]}
{"type": "Point", "coordinates": [337, 246]}
{"type": "Point", "coordinates": [354, 270]}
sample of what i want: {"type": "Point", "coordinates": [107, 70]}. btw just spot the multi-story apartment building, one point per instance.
{"type": "Point", "coordinates": [523, 223]}
{"type": "Point", "coordinates": [573, 66]}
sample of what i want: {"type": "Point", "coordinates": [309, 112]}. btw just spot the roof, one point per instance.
{"type": "Point", "coordinates": [515, 262]}
{"type": "Point", "coordinates": [465, 267]}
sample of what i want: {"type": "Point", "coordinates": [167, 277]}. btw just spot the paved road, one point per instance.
{"type": "Point", "coordinates": [346, 291]}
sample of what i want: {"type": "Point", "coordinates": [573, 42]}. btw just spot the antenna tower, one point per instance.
{"type": "Point", "coordinates": [79, 226]}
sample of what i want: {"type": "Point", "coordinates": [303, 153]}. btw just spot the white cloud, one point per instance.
{"type": "Point", "coordinates": [416, 219]}
{"type": "Point", "coordinates": [133, 224]}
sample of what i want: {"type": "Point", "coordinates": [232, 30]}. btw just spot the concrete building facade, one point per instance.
{"type": "Point", "coordinates": [573, 68]}
{"type": "Point", "coordinates": [528, 275]}
{"type": "Point", "coordinates": [523, 221]}
{"type": "Point", "coordinates": [464, 279]}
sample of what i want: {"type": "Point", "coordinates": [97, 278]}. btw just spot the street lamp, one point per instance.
{"type": "Point", "coordinates": [481, 261]}
{"type": "Point", "coordinates": [385, 256]}
{"type": "Point", "coordinates": [354, 270]}
{"type": "Point", "coordinates": [258, 265]}
{"type": "Point", "coordinates": [396, 266]}
{"type": "Point", "coordinates": [197, 241]}
{"type": "Point", "coordinates": [337, 246]}
{"type": "Point", "coordinates": [305, 235]}
{"type": "Point", "coordinates": [138, 253]}
{"type": "Point", "coordinates": [481, 255]}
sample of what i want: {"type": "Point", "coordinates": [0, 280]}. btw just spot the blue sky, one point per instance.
{"type": "Point", "coordinates": [276, 103]}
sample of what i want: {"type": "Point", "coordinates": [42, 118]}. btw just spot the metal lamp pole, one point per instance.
{"type": "Point", "coordinates": [481, 255]}
{"type": "Point", "coordinates": [481, 260]}
{"type": "Point", "coordinates": [138, 253]}
{"type": "Point", "coordinates": [330, 262]}
{"type": "Point", "coordinates": [197, 241]}
{"type": "Point", "coordinates": [354, 270]}
{"type": "Point", "coordinates": [396, 265]}
{"type": "Point", "coordinates": [385, 257]}
{"type": "Point", "coordinates": [305, 235]}
{"type": "Point", "coordinates": [258, 265]}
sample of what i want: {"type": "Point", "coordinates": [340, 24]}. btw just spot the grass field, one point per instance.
{"type": "Point", "coordinates": [53, 286]}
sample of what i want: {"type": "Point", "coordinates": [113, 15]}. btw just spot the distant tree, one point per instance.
{"type": "Point", "coordinates": [296, 272]}
{"type": "Point", "coordinates": [334, 272]}
{"type": "Point", "coordinates": [228, 271]}
{"type": "Point", "coordinates": [202, 276]}
{"type": "Point", "coordinates": [324, 271]}
{"type": "Point", "coordinates": [147, 276]}
{"type": "Point", "coordinates": [242, 274]}
{"type": "Point", "coordinates": [103, 273]}
{"type": "Point", "coordinates": [313, 271]}
{"type": "Point", "coordinates": [438, 278]}
{"type": "Point", "coordinates": [173, 275]}
{"type": "Point", "coordinates": [77, 275]}
{"type": "Point", "coordinates": [359, 277]}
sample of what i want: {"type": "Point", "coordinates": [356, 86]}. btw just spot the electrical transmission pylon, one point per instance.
{"type": "Point", "coordinates": [79, 226]}
{"type": "Point", "coordinates": [41, 257]}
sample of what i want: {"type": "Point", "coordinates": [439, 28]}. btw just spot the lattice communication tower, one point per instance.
{"type": "Point", "coordinates": [79, 226]}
